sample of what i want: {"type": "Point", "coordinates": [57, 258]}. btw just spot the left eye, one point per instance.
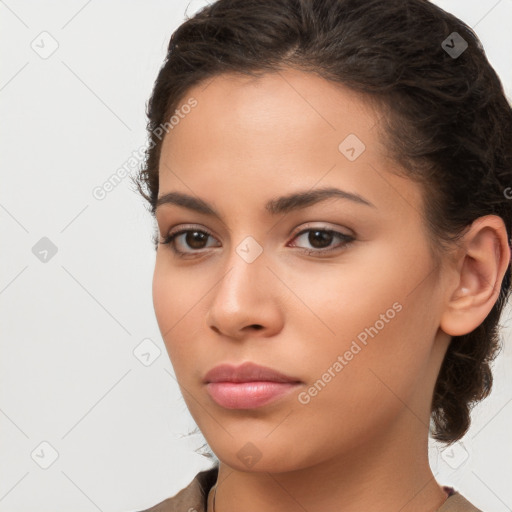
{"type": "Point", "coordinates": [321, 238]}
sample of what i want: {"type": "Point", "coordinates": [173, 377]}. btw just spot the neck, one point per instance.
{"type": "Point", "coordinates": [392, 473]}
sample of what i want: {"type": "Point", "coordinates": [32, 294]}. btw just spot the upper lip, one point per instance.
{"type": "Point", "coordinates": [246, 372]}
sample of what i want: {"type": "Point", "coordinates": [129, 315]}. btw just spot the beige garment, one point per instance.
{"type": "Point", "coordinates": [193, 498]}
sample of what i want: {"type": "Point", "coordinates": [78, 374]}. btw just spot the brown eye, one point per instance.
{"type": "Point", "coordinates": [320, 240]}
{"type": "Point", "coordinates": [187, 241]}
{"type": "Point", "coordinates": [196, 239]}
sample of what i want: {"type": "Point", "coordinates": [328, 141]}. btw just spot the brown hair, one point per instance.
{"type": "Point", "coordinates": [446, 118]}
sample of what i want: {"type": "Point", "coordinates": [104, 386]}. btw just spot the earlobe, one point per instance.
{"type": "Point", "coordinates": [481, 266]}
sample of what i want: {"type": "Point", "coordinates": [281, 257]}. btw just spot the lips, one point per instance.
{"type": "Point", "coordinates": [247, 386]}
{"type": "Point", "coordinates": [246, 372]}
{"type": "Point", "coordinates": [248, 395]}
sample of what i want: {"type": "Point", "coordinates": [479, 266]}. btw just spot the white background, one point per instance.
{"type": "Point", "coordinates": [69, 326]}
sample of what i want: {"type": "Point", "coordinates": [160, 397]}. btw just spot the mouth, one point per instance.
{"type": "Point", "coordinates": [248, 395]}
{"type": "Point", "coordinates": [246, 372]}
{"type": "Point", "coordinates": [247, 386]}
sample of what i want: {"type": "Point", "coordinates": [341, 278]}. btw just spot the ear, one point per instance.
{"type": "Point", "coordinates": [481, 265]}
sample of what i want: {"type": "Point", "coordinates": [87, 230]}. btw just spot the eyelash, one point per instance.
{"type": "Point", "coordinates": [346, 241]}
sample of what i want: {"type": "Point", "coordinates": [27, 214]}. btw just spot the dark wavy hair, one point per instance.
{"type": "Point", "coordinates": [444, 117]}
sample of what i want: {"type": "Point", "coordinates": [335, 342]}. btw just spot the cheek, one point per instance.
{"type": "Point", "coordinates": [175, 304]}
{"type": "Point", "coordinates": [362, 387]}
{"type": "Point", "coordinates": [370, 336]}
{"type": "Point", "coordinates": [179, 304]}
{"type": "Point", "coordinates": [176, 294]}
{"type": "Point", "coordinates": [164, 298]}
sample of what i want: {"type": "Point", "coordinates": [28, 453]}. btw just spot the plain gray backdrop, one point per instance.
{"type": "Point", "coordinates": [91, 417]}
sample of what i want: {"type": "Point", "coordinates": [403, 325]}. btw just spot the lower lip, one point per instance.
{"type": "Point", "coordinates": [248, 395]}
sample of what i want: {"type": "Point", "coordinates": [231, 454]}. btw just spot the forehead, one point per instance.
{"type": "Point", "coordinates": [283, 107]}
{"type": "Point", "coordinates": [277, 117]}
{"type": "Point", "coordinates": [255, 137]}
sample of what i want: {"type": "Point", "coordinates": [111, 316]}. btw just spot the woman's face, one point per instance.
{"type": "Point", "coordinates": [350, 308]}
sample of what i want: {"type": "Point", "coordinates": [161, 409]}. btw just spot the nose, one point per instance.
{"type": "Point", "coordinates": [245, 301]}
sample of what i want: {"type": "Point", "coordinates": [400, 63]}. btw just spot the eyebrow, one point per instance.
{"type": "Point", "coordinates": [279, 205]}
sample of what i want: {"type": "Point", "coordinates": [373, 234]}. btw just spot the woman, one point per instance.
{"type": "Point", "coordinates": [329, 181]}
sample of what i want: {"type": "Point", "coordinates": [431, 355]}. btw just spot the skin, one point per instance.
{"type": "Point", "coordinates": [361, 442]}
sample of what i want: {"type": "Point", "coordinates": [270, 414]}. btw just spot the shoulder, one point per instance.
{"type": "Point", "coordinates": [192, 498]}
{"type": "Point", "coordinates": [457, 503]}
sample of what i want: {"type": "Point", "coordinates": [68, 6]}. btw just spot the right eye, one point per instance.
{"type": "Point", "coordinates": [194, 239]}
